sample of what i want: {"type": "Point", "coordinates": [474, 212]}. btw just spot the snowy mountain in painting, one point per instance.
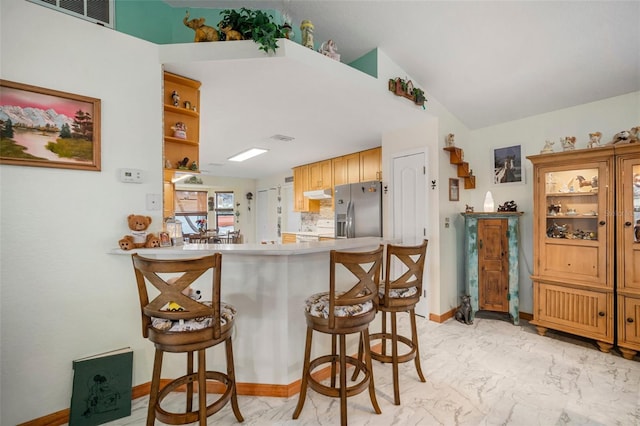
{"type": "Point", "coordinates": [33, 117]}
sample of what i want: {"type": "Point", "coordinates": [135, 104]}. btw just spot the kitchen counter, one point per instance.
{"type": "Point", "coordinates": [268, 284]}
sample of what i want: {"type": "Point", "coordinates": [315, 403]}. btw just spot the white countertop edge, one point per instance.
{"type": "Point", "coordinates": [258, 249]}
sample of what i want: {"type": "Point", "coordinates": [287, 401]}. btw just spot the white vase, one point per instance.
{"type": "Point", "coordinates": [488, 202]}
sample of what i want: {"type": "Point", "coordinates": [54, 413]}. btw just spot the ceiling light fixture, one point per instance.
{"type": "Point", "coordinates": [245, 155]}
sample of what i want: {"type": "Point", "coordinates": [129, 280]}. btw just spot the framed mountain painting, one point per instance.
{"type": "Point", "coordinates": [48, 128]}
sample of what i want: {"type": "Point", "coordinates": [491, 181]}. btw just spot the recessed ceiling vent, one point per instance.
{"type": "Point", "coordinates": [96, 11]}
{"type": "Point", "coordinates": [283, 138]}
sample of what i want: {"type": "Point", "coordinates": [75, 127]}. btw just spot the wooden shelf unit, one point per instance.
{"type": "Point", "coordinates": [456, 157]}
{"type": "Point", "coordinates": [176, 149]}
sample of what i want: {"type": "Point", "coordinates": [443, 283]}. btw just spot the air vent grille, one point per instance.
{"type": "Point", "coordinates": [283, 138]}
{"type": "Point", "coordinates": [97, 11]}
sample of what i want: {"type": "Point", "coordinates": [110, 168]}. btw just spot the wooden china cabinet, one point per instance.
{"type": "Point", "coordinates": [581, 232]}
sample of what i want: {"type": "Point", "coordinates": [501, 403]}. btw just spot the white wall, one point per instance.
{"type": "Point", "coordinates": [63, 296]}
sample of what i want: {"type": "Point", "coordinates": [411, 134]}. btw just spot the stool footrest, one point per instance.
{"type": "Point", "coordinates": [383, 357]}
{"type": "Point", "coordinates": [335, 391]}
{"type": "Point", "coordinates": [192, 416]}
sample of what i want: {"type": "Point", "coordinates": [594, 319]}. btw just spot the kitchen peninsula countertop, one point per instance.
{"type": "Point", "coordinates": [259, 249]}
{"type": "Point", "coordinates": [268, 284]}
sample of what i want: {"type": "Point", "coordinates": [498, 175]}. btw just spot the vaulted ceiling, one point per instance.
{"type": "Point", "coordinates": [487, 62]}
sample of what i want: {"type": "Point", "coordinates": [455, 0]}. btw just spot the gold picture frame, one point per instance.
{"type": "Point", "coordinates": [48, 128]}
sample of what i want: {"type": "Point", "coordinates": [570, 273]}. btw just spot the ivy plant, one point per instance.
{"type": "Point", "coordinates": [254, 25]}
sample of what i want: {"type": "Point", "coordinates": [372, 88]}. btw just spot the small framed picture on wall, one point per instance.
{"type": "Point", "coordinates": [507, 165]}
{"type": "Point", "coordinates": [454, 189]}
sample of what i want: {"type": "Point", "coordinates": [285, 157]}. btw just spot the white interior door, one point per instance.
{"type": "Point", "coordinates": [409, 209]}
{"type": "Point", "coordinates": [267, 216]}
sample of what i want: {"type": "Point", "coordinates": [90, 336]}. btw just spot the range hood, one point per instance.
{"type": "Point", "coordinates": [319, 194]}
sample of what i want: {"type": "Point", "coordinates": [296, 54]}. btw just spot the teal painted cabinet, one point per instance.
{"type": "Point", "coordinates": [491, 256]}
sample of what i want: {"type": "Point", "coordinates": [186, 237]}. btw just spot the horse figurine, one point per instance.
{"type": "Point", "coordinates": [506, 173]}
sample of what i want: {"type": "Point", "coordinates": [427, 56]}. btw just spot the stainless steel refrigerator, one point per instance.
{"type": "Point", "coordinates": [358, 210]}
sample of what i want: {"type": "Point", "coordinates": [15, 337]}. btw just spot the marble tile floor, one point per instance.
{"type": "Point", "coordinates": [488, 373]}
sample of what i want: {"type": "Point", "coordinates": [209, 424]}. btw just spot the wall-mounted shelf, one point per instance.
{"type": "Point", "coordinates": [456, 156]}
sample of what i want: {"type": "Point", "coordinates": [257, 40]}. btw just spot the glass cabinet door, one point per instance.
{"type": "Point", "coordinates": [572, 202]}
{"type": "Point", "coordinates": [575, 223]}
{"type": "Point", "coordinates": [629, 231]}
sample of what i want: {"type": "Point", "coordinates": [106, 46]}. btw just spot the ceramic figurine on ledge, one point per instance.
{"type": "Point", "coordinates": [548, 147]}
{"type": "Point", "coordinates": [306, 27]}
{"type": "Point", "coordinates": [329, 48]}
{"type": "Point", "coordinates": [594, 140]}
{"type": "Point", "coordinates": [449, 139]}
{"type": "Point", "coordinates": [568, 143]}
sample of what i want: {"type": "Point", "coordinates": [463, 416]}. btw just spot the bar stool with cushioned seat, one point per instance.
{"type": "Point", "coordinates": [339, 312]}
{"type": "Point", "coordinates": [400, 295]}
{"type": "Point", "coordinates": [176, 323]}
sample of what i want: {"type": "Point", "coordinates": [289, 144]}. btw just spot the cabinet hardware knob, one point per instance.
{"type": "Point", "coordinates": [601, 313]}
{"type": "Point", "coordinates": [602, 223]}
{"type": "Point", "coordinates": [629, 320]}
{"type": "Point", "coordinates": [627, 224]}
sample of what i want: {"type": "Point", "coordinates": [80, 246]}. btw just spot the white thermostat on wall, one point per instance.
{"type": "Point", "coordinates": [131, 175]}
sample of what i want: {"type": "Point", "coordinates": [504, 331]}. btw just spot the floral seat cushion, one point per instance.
{"type": "Point", "coordinates": [399, 293]}
{"type": "Point", "coordinates": [227, 313]}
{"type": "Point", "coordinates": [317, 305]}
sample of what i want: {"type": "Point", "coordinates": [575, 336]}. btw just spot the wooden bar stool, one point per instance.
{"type": "Point", "coordinates": [343, 310]}
{"type": "Point", "coordinates": [400, 295]}
{"type": "Point", "coordinates": [177, 323]}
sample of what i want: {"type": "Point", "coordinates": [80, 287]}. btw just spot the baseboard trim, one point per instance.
{"type": "Point", "coordinates": [449, 314]}
{"type": "Point", "coordinates": [245, 389]}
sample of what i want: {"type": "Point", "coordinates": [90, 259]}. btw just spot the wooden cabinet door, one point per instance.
{"type": "Point", "coordinates": [371, 165]}
{"type": "Point", "coordinates": [288, 238]}
{"type": "Point", "coordinates": [493, 265]}
{"type": "Point", "coordinates": [583, 312]}
{"type": "Point", "coordinates": [320, 175]}
{"type": "Point", "coordinates": [300, 183]}
{"type": "Point", "coordinates": [346, 169]}
{"type": "Point", "coordinates": [629, 321]}
{"type": "Point", "coordinates": [168, 199]}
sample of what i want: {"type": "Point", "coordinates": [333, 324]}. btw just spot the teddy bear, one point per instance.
{"type": "Point", "coordinates": [139, 237]}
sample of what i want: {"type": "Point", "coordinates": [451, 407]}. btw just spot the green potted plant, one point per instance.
{"type": "Point", "coordinates": [254, 25]}
{"type": "Point", "coordinates": [418, 96]}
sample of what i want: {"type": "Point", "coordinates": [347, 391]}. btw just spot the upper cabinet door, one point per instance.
{"type": "Point", "coordinates": [371, 165]}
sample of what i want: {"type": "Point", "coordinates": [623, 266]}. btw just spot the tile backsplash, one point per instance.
{"type": "Point", "coordinates": [309, 220]}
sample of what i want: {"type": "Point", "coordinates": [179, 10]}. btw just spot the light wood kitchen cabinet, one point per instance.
{"type": "Point", "coordinates": [573, 234]}
{"type": "Point", "coordinates": [288, 238]}
{"type": "Point", "coordinates": [320, 175]}
{"type": "Point", "coordinates": [300, 185]}
{"type": "Point", "coordinates": [346, 169]}
{"type": "Point", "coordinates": [628, 247]}
{"type": "Point", "coordinates": [371, 164]}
